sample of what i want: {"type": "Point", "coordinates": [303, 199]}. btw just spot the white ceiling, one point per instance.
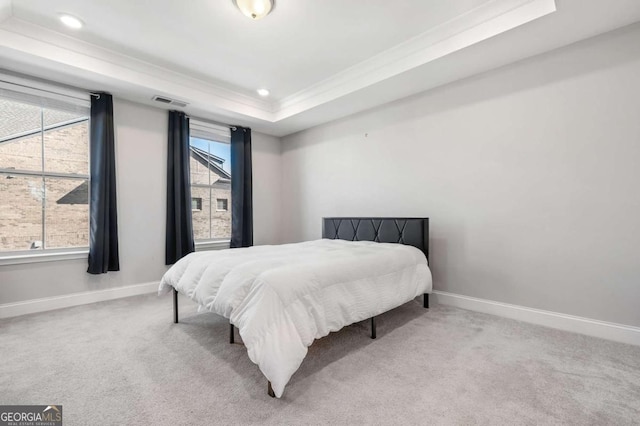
{"type": "Point", "coordinates": [320, 59]}
{"type": "Point", "coordinates": [301, 42]}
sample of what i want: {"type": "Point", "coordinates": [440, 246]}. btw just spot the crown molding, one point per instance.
{"type": "Point", "coordinates": [38, 47]}
{"type": "Point", "coordinates": [463, 31]}
{"type": "Point", "coordinates": [23, 37]}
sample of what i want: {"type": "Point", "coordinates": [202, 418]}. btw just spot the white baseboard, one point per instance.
{"type": "Point", "coordinates": [50, 303]}
{"type": "Point", "coordinates": [590, 327]}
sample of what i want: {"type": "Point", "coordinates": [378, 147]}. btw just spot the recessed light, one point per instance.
{"type": "Point", "coordinates": [263, 92]}
{"type": "Point", "coordinates": [71, 21]}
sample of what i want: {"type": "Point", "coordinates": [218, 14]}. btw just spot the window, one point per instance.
{"type": "Point", "coordinates": [210, 181]}
{"type": "Point", "coordinates": [221, 204]}
{"type": "Point", "coordinates": [44, 171]}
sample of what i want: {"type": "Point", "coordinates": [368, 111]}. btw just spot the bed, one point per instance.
{"type": "Point", "coordinates": [281, 298]}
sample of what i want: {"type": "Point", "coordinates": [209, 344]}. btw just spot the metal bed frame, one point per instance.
{"type": "Point", "coordinates": [409, 231]}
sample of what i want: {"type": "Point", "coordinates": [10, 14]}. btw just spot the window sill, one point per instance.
{"type": "Point", "coordinates": [45, 256]}
{"type": "Point", "coordinates": [212, 245]}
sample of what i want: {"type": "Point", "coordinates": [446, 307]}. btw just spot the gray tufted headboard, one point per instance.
{"type": "Point", "coordinates": [403, 230]}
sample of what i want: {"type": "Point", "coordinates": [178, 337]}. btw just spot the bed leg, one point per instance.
{"type": "Point", "coordinates": [231, 334]}
{"type": "Point", "coordinates": [270, 391]}
{"type": "Point", "coordinates": [373, 327]}
{"type": "Point", "coordinates": [175, 306]}
{"type": "Point", "coordinates": [426, 301]}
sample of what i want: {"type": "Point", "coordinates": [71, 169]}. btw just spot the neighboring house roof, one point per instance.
{"type": "Point", "coordinates": [78, 195]}
{"type": "Point", "coordinates": [20, 119]}
{"type": "Point", "coordinates": [214, 162]}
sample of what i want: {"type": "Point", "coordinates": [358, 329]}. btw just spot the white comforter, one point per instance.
{"type": "Point", "coordinates": [283, 297]}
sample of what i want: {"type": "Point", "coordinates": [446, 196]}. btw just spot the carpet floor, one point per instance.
{"type": "Point", "coordinates": [125, 362]}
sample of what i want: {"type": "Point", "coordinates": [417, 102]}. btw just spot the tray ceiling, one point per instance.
{"type": "Point", "coordinates": [320, 60]}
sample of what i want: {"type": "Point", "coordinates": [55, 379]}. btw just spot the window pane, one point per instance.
{"type": "Point", "coordinates": [201, 221]}
{"type": "Point", "coordinates": [41, 140]}
{"type": "Point", "coordinates": [20, 136]}
{"type": "Point", "coordinates": [20, 212]}
{"type": "Point", "coordinates": [66, 142]}
{"type": "Point", "coordinates": [66, 213]}
{"type": "Point", "coordinates": [198, 164]}
{"type": "Point", "coordinates": [18, 118]}
{"type": "Point", "coordinates": [221, 219]}
{"type": "Point", "coordinates": [210, 171]}
{"type": "Point", "coordinates": [55, 117]}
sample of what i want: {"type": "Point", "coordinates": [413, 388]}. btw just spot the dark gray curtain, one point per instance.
{"type": "Point", "coordinates": [241, 188]}
{"type": "Point", "coordinates": [103, 234]}
{"type": "Point", "coordinates": [179, 239]}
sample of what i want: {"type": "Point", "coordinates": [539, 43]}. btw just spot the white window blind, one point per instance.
{"type": "Point", "coordinates": [204, 130]}
{"type": "Point", "coordinates": [43, 94]}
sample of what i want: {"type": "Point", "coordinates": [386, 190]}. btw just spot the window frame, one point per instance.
{"type": "Point", "coordinates": [52, 97]}
{"type": "Point", "coordinates": [205, 130]}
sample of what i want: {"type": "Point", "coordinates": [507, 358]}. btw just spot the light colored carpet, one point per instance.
{"type": "Point", "coordinates": [125, 362]}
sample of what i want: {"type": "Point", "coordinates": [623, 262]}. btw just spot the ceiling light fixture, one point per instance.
{"type": "Point", "coordinates": [263, 92]}
{"type": "Point", "coordinates": [254, 9]}
{"type": "Point", "coordinates": [71, 21]}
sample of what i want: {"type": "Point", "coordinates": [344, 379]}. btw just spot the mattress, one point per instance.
{"type": "Point", "coordinates": [283, 297]}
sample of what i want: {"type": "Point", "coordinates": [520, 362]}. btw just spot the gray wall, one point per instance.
{"type": "Point", "coordinates": [529, 174]}
{"type": "Point", "coordinates": [141, 145]}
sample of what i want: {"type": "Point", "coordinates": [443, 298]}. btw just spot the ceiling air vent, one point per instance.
{"type": "Point", "coordinates": [168, 101]}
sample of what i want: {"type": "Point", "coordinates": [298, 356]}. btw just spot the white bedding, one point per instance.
{"type": "Point", "coordinates": [283, 297]}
